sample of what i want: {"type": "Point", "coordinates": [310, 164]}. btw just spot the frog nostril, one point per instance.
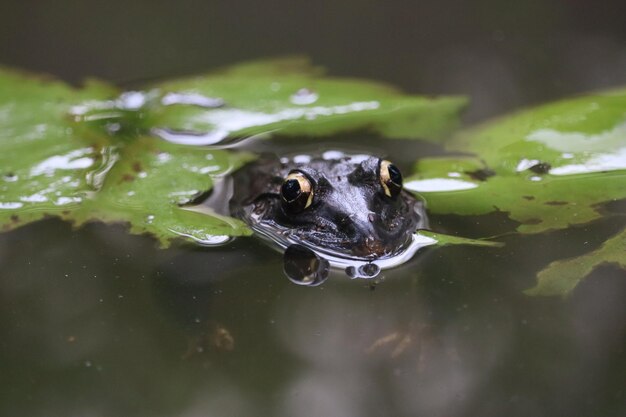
{"type": "Point", "coordinates": [374, 245]}
{"type": "Point", "coordinates": [345, 218]}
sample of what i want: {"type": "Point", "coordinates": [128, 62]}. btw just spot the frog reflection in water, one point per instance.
{"type": "Point", "coordinates": [349, 209]}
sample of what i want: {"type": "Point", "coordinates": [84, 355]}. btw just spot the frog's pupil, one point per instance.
{"type": "Point", "coordinates": [394, 174]}
{"type": "Point", "coordinates": [290, 190]}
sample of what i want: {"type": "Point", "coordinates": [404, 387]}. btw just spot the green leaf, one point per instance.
{"type": "Point", "coordinates": [444, 240]}
{"type": "Point", "coordinates": [276, 97]}
{"type": "Point", "coordinates": [43, 159]}
{"type": "Point", "coordinates": [548, 168]}
{"type": "Point", "coordinates": [53, 166]}
{"type": "Point", "coordinates": [149, 183]}
{"type": "Point", "coordinates": [576, 136]}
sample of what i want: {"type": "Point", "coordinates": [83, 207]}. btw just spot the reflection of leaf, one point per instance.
{"type": "Point", "coordinates": [548, 168]}
{"type": "Point", "coordinates": [53, 166]}
{"type": "Point", "coordinates": [561, 277]}
{"type": "Point", "coordinates": [284, 97]}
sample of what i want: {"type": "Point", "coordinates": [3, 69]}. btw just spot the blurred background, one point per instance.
{"type": "Point", "coordinates": [502, 54]}
{"type": "Point", "coordinates": [96, 322]}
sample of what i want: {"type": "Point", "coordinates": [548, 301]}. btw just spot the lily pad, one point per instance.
{"type": "Point", "coordinates": [286, 97]}
{"type": "Point", "coordinates": [53, 166]}
{"type": "Point", "coordinates": [548, 168]}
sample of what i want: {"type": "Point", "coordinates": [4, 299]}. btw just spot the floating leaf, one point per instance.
{"type": "Point", "coordinates": [562, 160]}
{"type": "Point", "coordinates": [149, 183]}
{"type": "Point", "coordinates": [52, 166]}
{"type": "Point", "coordinates": [44, 160]}
{"type": "Point", "coordinates": [548, 168]}
{"type": "Point", "coordinates": [279, 97]}
{"type": "Point", "coordinates": [444, 240]}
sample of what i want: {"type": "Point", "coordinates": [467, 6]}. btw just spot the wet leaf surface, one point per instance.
{"type": "Point", "coordinates": [548, 168]}
{"type": "Point", "coordinates": [53, 166]}
{"type": "Point", "coordinates": [286, 97]}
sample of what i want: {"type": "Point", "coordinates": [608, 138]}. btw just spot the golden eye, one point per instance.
{"type": "Point", "coordinates": [390, 178]}
{"type": "Point", "coordinates": [297, 191]}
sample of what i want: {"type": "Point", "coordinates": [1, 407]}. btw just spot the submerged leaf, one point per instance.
{"type": "Point", "coordinates": [562, 276]}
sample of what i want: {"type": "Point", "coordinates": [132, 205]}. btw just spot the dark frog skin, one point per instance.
{"type": "Point", "coordinates": [347, 206]}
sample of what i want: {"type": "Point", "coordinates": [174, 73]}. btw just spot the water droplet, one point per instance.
{"type": "Point", "coordinates": [304, 96]}
{"type": "Point", "coordinates": [10, 177]}
{"type": "Point", "coordinates": [112, 128]}
{"type": "Point", "coordinates": [192, 99]}
{"type": "Point", "coordinates": [131, 100]}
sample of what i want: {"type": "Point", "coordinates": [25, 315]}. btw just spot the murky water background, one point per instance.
{"type": "Point", "coordinates": [98, 322]}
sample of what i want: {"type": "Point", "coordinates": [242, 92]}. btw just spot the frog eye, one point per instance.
{"type": "Point", "coordinates": [390, 178]}
{"type": "Point", "coordinates": [297, 191]}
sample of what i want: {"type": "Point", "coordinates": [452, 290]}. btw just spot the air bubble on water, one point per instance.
{"type": "Point", "coordinates": [369, 270]}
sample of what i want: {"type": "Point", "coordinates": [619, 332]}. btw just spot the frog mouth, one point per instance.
{"type": "Point", "coordinates": [364, 247]}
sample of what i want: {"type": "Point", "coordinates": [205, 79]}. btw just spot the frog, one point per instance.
{"type": "Point", "coordinates": [348, 209]}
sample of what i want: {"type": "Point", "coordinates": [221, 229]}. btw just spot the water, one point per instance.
{"type": "Point", "coordinates": [95, 321]}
